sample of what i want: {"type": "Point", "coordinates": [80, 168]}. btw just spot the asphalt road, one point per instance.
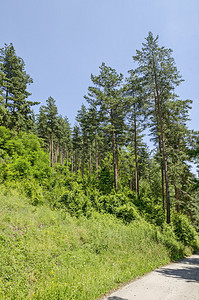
{"type": "Point", "coordinates": [177, 281]}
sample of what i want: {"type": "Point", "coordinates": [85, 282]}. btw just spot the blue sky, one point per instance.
{"type": "Point", "coordinates": [62, 42]}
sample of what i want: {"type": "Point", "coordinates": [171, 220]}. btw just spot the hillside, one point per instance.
{"type": "Point", "coordinates": [47, 254]}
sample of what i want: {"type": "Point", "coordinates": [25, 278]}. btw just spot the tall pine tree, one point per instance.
{"type": "Point", "coordinates": [14, 83]}
{"type": "Point", "coordinates": [106, 96]}
{"type": "Point", "coordinates": [160, 77]}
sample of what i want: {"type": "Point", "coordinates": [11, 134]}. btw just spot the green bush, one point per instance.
{"type": "Point", "coordinates": [127, 213]}
{"type": "Point", "coordinates": [184, 231]}
{"type": "Point", "coordinates": [76, 202]}
{"type": "Point", "coordinates": [168, 238]}
{"type": "Point", "coordinates": [21, 156]}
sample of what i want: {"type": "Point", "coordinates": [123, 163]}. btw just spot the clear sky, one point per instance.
{"type": "Point", "coordinates": [63, 41]}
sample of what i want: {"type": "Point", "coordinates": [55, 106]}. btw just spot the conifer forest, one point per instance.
{"type": "Point", "coordinates": [127, 158]}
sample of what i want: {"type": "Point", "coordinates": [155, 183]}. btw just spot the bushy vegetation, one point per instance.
{"type": "Point", "coordinates": [64, 239]}
{"type": "Point", "coordinates": [47, 254]}
{"type": "Point", "coordinates": [22, 157]}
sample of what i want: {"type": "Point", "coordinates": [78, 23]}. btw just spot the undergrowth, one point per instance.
{"type": "Point", "coordinates": [47, 254]}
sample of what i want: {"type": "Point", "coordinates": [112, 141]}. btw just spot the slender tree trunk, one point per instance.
{"type": "Point", "coordinates": [56, 155]}
{"type": "Point", "coordinates": [76, 161]}
{"type": "Point", "coordinates": [163, 186]}
{"type": "Point", "coordinates": [163, 148]}
{"type": "Point", "coordinates": [67, 158]}
{"type": "Point", "coordinates": [162, 175]}
{"type": "Point", "coordinates": [97, 165]}
{"type": "Point", "coordinates": [83, 161]}
{"type": "Point", "coordinates": [61, 156]}
{"type": "Point", "coordinates": [72, 158]}
{"type": "Point", "coordinates": [130, 185]}
{"type": "Point", "coordinates": [4, 117]}
{"type": "Point", "coordinates": [161, 156]}
{"type": "Point", "coordinates": [6, 98]}
{"type": "Point", "coordinates": [96, 158]}
{"type": "Point", "coordinates": [177, 199]}
{"type": "Point", "coordinates": [52, 151]}
{"type": "Point", "coordinates": [97, 162]}
{"type": "Point", "coordinates": [117, 161]}
{"type": "Point", "coordinates": [90, 162]}
{"type": "Point", "coordinates": [109, 168]}
{"type": "Point", "coordinates": [114, 155]}
{"type": "Point", "coordinates": [136, 155]}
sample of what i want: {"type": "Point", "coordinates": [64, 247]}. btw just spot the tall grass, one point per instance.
{"type": "Point", "coordinates": [47, 254]}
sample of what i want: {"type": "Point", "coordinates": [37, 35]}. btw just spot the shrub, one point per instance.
{"type": "Point", "coordinates": [76, 202]}
{"type": "Point", "coordinates": [127, 213]}
{"type": "Point", "coordinates": [21, 156]}
{"type": "Point", "coordinates": [184, 231]}
{"type": "Point", "coordinates": [168, 238]}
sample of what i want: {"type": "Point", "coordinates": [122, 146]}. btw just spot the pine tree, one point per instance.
{"type": "Point", "coordinates": [82, 118]}
{"type": "Point", "coordinates": [107, 97]}
{"type": "Point", "coordinates": [42, 126]}
{"type": "Point", "coordinates": [3, 111]}
{"type": "Point", "coordinates": [179, 139]}
{"type": "Point", "coordinates": [77, 147]}
{"type": "Point", "coordinates": [160, 76]}
{"type": "Point", "coordinates": [63, 139]}
{"type": "Point", "coordinates": [14, 87]}
{"type": "Point", "coordinates": [48, 125]}
{"type": "Point", "coordinates": [136, 116]}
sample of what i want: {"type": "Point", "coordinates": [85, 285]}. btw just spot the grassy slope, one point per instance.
{"type": "Point", "coordinates": [47, 254]}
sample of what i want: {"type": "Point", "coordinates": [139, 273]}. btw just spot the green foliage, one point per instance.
{"type": "Point", "coordinates": [150, 207]}
{"type": "Point", "coordinates": [79, 201]}
{"type": "Point", "coordinates": [21, 156]}
{"type": "Point", "coordinates": [33, 191]}
{"type": "Point", "coordinates": [127, 213]}
{"type": "Point", "coordinates": [76, 201]}
{"type": "Point", "coordinates": [47, 254]}
{"type": "Point", "coordinates": [185, 232]}
{"type": "Point", "coordinates": [168, 238]}
{"type": "Point", "coordinates": [16, 112]}
{"type": "Point", "coordinates": [119, 205]}
{"type": "Point", "coordinates": [105, 178]}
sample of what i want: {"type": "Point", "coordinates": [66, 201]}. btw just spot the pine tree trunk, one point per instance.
{"type": "Point", "coordinates": [163, 186]}
{"type": "Point", "coordinates": [67, 155]}
{"type": "Point", "coordinates": [136, 157]}
{"type": "Point", "coordinates": [72, 164]}
{"type": "Point", "coordinates": [61, 156]}
{"type": "Point", "coordinates": [117, 161]}
{"type": "Point", "coordinates": [115, 164]}
{"type": "Point", "coordinates": [96, 158]}
{"type": "Point", "coordinates": [97, 166]}
{"type": "Point", "coordinates": [76, 161]}
{"type": "Point", "coordinates": [160, 149]}
{"type": "Point", "coordinates": [130, 185]}
{"type": "Point", "coordinates": [177, 199]}
{"type": "Point", "coordinates": [6, 105]}
{"type": "Point", "coordinates": [56, 155]}
{"type": "Point", "coordinates": [163, 149]}
{"type": "Point", "coordinates": [90, 162]}
{"type": "Point", "coordinates": [52, 151]}
{"type": "Point", "coordinates": [6, 98]}
{"type": "Point", "coordinates": [82, 162]}
{"type": "Point", "coordinates": [162, 173]}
